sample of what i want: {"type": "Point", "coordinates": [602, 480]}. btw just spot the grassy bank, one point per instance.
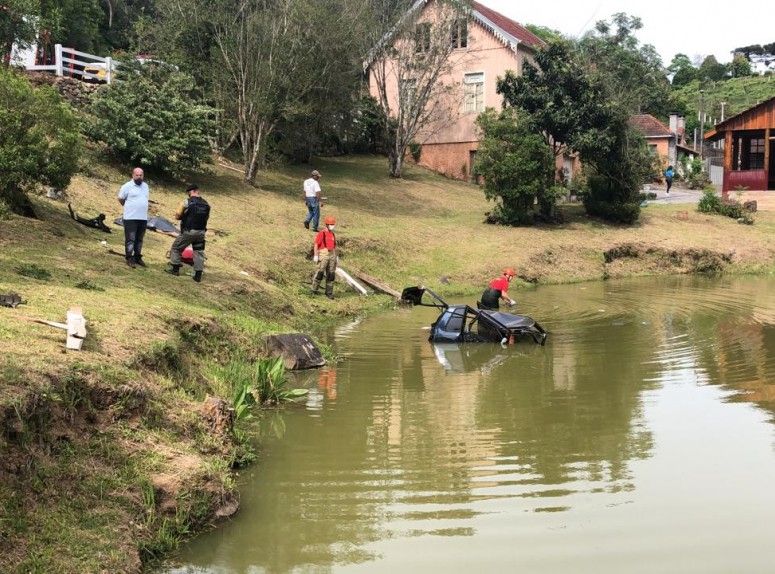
{"type": "Point", "coordinates": [106, 457]}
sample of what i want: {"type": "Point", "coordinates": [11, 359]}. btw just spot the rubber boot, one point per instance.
{"type": "Point", "coordinates": [198, 276]}
{"type": "Point", "coordinates": [173, 270]}
{"type": "Point", "coordinates": [330, 291]}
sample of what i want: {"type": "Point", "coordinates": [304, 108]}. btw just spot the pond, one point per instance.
{"type": "Point", "coordinates": [639, 439]}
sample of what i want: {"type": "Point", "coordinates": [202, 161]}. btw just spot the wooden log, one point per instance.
{"type": "Point", "coordinates": [352, 282]}
{"type": "Point", "coordinates": [377, 285]}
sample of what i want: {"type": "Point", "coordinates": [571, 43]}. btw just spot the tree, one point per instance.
{"type": "Point", "coordinates": [582, 95]}
{"type": "Point", "coordinates": [740, 66]}
{"type": "Point", "coordinates": [682, 70]}
{"type": "Point", "coordinates": [517, 166]}
{"type": "Point", "coordinates": [711, 69]}
{"type": "Point", "coordinates": [150, 117]}
{"type": "Point", "coordinates": [408, 66]}
{"type": "Point", "coordinates": [545, 33]}
{"type": "Point", "coordinates": [39, 141]}
{"type": "Point", "coordinates": [17, 24]}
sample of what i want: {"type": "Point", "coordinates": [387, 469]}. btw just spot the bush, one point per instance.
{"type": "Point", "coordinates": [604, 201]}
{"type": "Point", "coordinates": [151, 117]}
{"type": "Point", "coordinates": [416, 150]}
{"type": "Point", "coordinates": [39, 140]}
{"type": "Point", "coordinates": [709, 202]}
{"type": "Point", "coordinates": [517, 166]}
{"type": "Point", "coordinates": [696, 178]}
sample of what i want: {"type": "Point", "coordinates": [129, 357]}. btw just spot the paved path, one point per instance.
{"type": "Point", "coordinates": [677, 195]}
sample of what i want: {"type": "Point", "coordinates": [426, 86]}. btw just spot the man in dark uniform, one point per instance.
{"type": "Point", "coordinates": [193, 214]}
{"type": "Point", "coordinates": [497, 290]}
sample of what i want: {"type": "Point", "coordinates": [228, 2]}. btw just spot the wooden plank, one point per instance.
{"type": "Point", "coordinates": [352, 282]}
{"type": "Point", "coordinates": [376, 284]}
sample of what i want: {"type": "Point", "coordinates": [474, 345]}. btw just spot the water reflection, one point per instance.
{"type": "Point", "coordinates": [415, 457]}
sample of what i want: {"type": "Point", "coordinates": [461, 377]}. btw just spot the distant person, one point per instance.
{"type": "Point", "coordinates": [669, 174]}
{"type": "Point", "coordinates": [324, 254]}
{"type": "Point", "coordinates": [313, 200]}
{"type": "Point", "coordinates": [497, 290]}
{"type": "Point", "coordinates": [193, 214]}
{"type": "Point", "coordinates": [134, 195]}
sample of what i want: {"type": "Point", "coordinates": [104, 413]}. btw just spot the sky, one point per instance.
{"type": "Point", "coordinates": [690, 27]}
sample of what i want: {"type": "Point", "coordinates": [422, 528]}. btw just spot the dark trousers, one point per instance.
{"type": "Point", "coordinates": [669, 181]}
{"type": "Point", "coordinates": [313, 215]}
{"type": "Point", "coordinates": [134, 232]}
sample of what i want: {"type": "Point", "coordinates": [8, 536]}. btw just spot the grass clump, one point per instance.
{"type": "Point", "coordinates": [34, 271]}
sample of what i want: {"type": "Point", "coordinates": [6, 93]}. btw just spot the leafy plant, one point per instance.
{"type": "Point", "coordinates": [272, 383]}
{"type": "Point", "coordinates": [40, 142]}
{"type": "Point", "coordinates": [517, 166]}
{"type": "Point", "coordinates": [416, 150]}
{"type": "Point", "coordinates": [151, 117]}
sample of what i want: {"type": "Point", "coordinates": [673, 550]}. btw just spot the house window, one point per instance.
{"type": "Point", "coordinates": [756, 157]}
{"type": "Point", "coordinates": [460, 34]}
{"type": "Point", "coordinates": [422, 37]}
{"type": "Point", "coordinates": [474, 92]}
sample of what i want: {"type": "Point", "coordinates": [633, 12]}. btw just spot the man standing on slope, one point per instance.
{"type": "Point", "coordinates": [193, 214]}
{"type": "Point", "coordinates": [498, 289]}
{"type": "Point", "coordinates": [313, 200]}
{"type": "Point", "coordinates": [133, 195]}
{"type": "Point", "coordinates": [324, 250]}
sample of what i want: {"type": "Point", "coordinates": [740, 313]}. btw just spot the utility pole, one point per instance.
{"type": "Point", "coordinates": [702, 121]}
{"type": "Point", "coordinates": [722, 110]}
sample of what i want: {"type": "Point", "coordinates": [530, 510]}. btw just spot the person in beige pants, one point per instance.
{"type": "Point", "coordinates": [324, 254]}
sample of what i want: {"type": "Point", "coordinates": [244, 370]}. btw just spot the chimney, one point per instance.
{"type": "Point", "coordinates": [674, 123]}
{"type": "Point", "coordinates": [681, 132]}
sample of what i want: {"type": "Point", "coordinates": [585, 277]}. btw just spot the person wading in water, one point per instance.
{"type": "Point", "coordinates": [497, 290]}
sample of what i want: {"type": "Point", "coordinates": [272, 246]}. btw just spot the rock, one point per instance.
{"type": "Point", "coordinates": [751, 206]}
{"type": "Point", "coordinates": [218, 416]}
{"type": "Point", "coordinates": [297, 350]}
{"type": "Point", "coordinates": [12, 300]}
{"type": "Point", "coordinates": [228, 508]}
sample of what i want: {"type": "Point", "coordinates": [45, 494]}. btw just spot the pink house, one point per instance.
{"type": "Point", "coordinates": [490, 45]}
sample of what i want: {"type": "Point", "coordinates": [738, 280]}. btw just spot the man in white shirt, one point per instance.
{"type": "Point", "coordinates": [313, 200]}
{"type": "Point", "coordinates": [133, 195]}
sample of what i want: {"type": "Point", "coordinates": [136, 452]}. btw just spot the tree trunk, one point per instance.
{"type": "Point", "coordinates": [396, 163]}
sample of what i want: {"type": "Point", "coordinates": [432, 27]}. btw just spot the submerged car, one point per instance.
{"type": "Point", "coordinates": [464, 324]}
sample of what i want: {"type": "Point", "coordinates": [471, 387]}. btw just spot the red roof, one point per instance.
{"type": "Point", "coordinates": [650, 126]}
{"type": "Point", "coordinates": [509, 26]}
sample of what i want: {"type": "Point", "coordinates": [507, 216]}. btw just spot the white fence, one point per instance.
{"type": "Point", "coordinates": [67, 62]}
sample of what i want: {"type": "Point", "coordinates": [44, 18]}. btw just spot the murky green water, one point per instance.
{"type": "Point", "coordinates": [640, 439]}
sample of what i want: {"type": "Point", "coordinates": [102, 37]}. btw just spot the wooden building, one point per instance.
{"type": "Point", "coordinates": [749, 152]}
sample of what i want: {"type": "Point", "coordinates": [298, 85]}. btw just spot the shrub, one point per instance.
{"type": "Point", "coordinates": [151, 117]}
{"type": "Point", "coordinates": [604, 200]}
{"type": "Point", "coordinates": [709, 202]}
{"type": "Point", "coordinates": [39, 140]}
{"type": "Point", "coordinates": [416, 150]}
{"type": "Point", "coordinates": [517, 166]}
{"type": "Point", "coordinates": [696, 178]}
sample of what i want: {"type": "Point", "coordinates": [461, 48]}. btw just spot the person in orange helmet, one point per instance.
{"type": "Point", "coordinates": [324, 254]}
{"type": "Point", "coordinates": [497, 290]}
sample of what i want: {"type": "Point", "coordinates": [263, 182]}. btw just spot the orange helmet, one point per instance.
{"type": "Point", "coordinates": [329, 220]}
{"type": "Point", "coordinates": [509, 272]}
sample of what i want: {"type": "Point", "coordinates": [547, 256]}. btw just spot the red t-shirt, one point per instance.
{"type": "Point", "coordinates": [325, 239]}
{"type": "Point", "coordinates": [500, 284]}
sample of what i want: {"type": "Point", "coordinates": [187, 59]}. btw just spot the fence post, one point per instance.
{"type": "Point", "coordinates": [108, 69]}
{"type": "Point", "coordinates": [58, 60]}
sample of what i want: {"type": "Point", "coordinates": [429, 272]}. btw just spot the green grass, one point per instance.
{"type": "Point", "coordinates": [88, 432]}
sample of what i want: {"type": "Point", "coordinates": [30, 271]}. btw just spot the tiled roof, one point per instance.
{"type": "Point", "coordinates": [508, 26]}
{"type": "Point", "coordinates": [650, 126]}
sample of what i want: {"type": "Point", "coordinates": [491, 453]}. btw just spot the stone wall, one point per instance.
{"type": "Point", "coordinates": [76, 92]}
